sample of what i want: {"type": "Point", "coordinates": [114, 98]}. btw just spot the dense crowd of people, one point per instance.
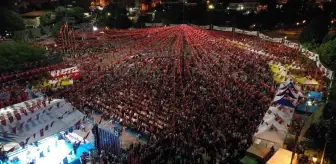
{"type": "Point", "coordinates": [197, 96]}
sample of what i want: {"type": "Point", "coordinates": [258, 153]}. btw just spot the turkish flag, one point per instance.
{"type": "Point", "coordinates": [21, 125]}
{"type": "Point", "coordinates": [41, 133]}
{"type": "Point", "coordinates": [3, 120]}
{"type": "Point", "coordinates": [30, 119]}
{"type": "Point", "coordinates": [10, 117]}
{"type": "Point", "coordinates": [23, 111]}
{"type": "Point", "coordinates": [14, 130]}
{"type": "Point", "coordinates": [17, 115]}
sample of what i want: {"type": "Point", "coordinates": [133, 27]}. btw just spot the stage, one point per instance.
{"type": "Point", "coordinates": [54, 152]}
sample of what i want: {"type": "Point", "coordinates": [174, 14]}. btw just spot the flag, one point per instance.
{"type": "Point", "coordinates": [41, 133]}
{"type": "Point", "coordinates": [17, 115]}
{"type": "Point", "coordinates": [30, 119]}
{"type": "Point", "coordinates": [27, 140]}
{"type": "Point", "coordinates": [10, 117]}
{"type": "Point", "coordinates": [14, 130]}
{"type": "Point", "coordinates": [77, 125]}
{"type": "Point", "coordinates": [52, 123]}
{"type": "Point", "coordinates": [47, 127]}
{"type": "Point", "coordinates": [31, 109]}
{"type": "Point", "coordinates": [5, 134]}
{"type": "Point", "coordinates": [23, 111]}
{"type": "Point", "coordinates": [38, 116]}
{"type": "Point", "coordinates": [44, 103]}
{"type": "Point", "coordinates": [21, 125]}
{"type": "Point", "coordinates": [3, 120]}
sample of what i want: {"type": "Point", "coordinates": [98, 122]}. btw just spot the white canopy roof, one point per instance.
{"type": "Point", "coordinates": [277, 119]}
{"type": "Point", "coordinates": [56, 116]}
{"type": "Point", "coordinates": [275, 124]}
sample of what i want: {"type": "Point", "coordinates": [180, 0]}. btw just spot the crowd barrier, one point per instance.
{"type": "Point", "coordinates": [312, 56]}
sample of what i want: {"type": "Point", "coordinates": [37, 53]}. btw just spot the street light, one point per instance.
{"type": "Point", "coordinates": [211, 7]}
{"type": "Point", "coordinates": [94, 28]}
{"type": "Point", "coordinates": [297, 23]}
{"type": "Point", "coordinates": [108, 14]}
{"type": "Point", "coordinates": [314, 159]}
{"type": "Point", "coordinates": [285, 37]}
{"type": "Point", "coordinates": [304, 21]}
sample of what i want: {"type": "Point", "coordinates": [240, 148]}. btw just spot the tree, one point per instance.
{"type": "Point", "coordinates": [327, 52]}
{"type": "Point", "coordinates": [56, 28]}
{"type": "Point", "coordinates": [316, 30]}
{"type": "Point", "coordinates": [330, 36]}
{"type": "Point", "coordinates": [323, 134]}
{"type": "Point", "coordinates": [11, 21]}
{"type": "Point", "coordinates": [42, 31]}
{"type": "Point", "coordinates": [47, 19]}
{"type": "Point", "coordinates": [14, 54]}
{"type": "Point", "coordinates": [31, 35]}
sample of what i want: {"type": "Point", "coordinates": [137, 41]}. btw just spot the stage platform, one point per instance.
{"type": "Point", "coordinates": [54, 152]}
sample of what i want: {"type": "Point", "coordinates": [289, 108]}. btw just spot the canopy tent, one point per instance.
{"type": "Point", "coordinates": [282, 156]}
{"type": "Point", "coordinates": [288, 91]}
{"type": "Point", "coordinates": [306, 81]}
{"type": "Point", "coordinates": [258, 152]}
{"type": "Point", "coordinates": [276, 121]}
{"type": "Point", "coordinates": [289, 84]}
{"type": "Point", "coordinates": [285, 100]}
{"type": "Point", "coordinates": [34, 121]}
{"type": "Point", "coordinates": [275, 124]}
{"type": "Point", "coordinates": [315, 95]}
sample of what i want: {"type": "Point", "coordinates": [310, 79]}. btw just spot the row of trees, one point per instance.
{"type": "Point", "coordinates": [10, 21]}
{"type": "Point", "coordinates": [15, 54]}
{"type": "Point", "coordinates": [319, 37]}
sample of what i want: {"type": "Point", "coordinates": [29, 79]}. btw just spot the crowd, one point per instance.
{"type": "Point", "coordinates": [195, 95]}
{"type": "Point", "coordinates": [194, 107]}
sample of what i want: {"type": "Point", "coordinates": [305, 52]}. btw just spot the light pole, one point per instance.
{"type": "Point", "coordinates": [211, 7]}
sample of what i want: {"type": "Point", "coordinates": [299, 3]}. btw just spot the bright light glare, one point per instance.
{"type": "Point", "coordinates": [100, 8]}
{"type": "Point", "coordinates": [95, 28]}
{"type": "Point", "coordinates": [108, 14]}
{"type": "Point", "coordinates": [314, 159]}
{"type": "Point", "coordinates": [304, 21]}
{"type": "Point", "coordinates": [211, 6]}
{"type": "Point", "coordinates": [309, 103]}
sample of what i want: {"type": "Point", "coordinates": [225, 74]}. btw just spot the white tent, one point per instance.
{"type": "Point", "coordinates": [275, 125]}
{"type": "Point", "coordinates": [276, 121]}
{"type": "Point", "coordinates": [53, 117]}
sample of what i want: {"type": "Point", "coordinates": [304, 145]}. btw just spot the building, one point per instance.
{"type": "Point", "coordinates": [243, 6]}
{"type": "Point", "coordinates": [32, 19]}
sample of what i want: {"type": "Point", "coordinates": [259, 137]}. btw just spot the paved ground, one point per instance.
{"type": "Point", "coordinates": [291, 34]}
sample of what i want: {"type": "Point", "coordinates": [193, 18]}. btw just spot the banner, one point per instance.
{"type": "Point", "coordinates": [62, 72]}
{"type": "Point", "coordinates": [278, 40]}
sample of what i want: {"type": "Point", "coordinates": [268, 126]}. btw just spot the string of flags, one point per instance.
{"type": "Point", "coordinates": [47, 127]}
{"type": "Point", "coordinates": [19, 112]}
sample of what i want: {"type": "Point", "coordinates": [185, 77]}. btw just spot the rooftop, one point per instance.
{"type": "Point", "coordinates": [34, 13]}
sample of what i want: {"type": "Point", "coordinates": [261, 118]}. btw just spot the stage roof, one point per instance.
{"type": "Point", "coordinates": [36, 121]}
